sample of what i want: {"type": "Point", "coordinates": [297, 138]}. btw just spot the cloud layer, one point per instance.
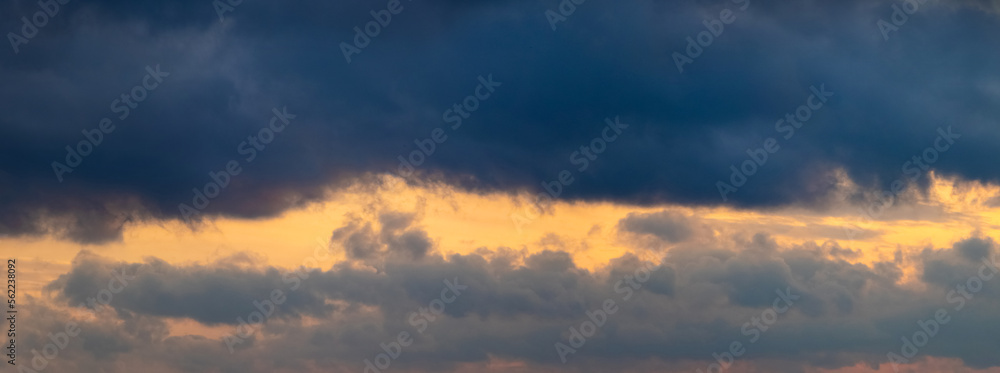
{"type": "Point", "coordinates": [557, 87]}
{"type": "Point", "coordinates": [514, 306]}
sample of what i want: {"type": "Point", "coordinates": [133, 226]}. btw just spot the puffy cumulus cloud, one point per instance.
{"type": "Point", "coordinates": [353, 120]}
{"type": "Point", "coordinates": [110, 341]}
{"type": "Point", "coordinates": [512, 306]}
{"type": "Point", "coordinates": [392, 234]}
{"type": "Point", "coordinates": [948, 268]}
{"type": "Point", "coordinates": [209, 293]}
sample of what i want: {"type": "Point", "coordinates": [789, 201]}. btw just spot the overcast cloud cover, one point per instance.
{"type": "Point", "coordinates": [354, 119]}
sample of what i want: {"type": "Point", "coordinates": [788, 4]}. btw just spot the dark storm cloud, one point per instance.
{"type": "Point", "coordinates": [694, 305]}
{"type": "Point", "coordinates": [354, 119]}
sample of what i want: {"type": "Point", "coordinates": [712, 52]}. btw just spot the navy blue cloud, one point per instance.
{"type": "Point", "coordinates": [557, 87]}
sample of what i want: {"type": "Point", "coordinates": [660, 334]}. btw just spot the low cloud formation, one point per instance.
{"type": "Point", "coordinates": [667, 226]}
{"type": "Point", "coordinates": [393, 237]}
{"type": "Point", "coordinates": [516, 308]}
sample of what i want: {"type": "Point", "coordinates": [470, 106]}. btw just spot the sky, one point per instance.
{"type": "Point", "coordinates": [500, 186]}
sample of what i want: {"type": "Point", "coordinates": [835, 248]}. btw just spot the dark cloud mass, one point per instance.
{"type": "Point", "coordinates": [353, 120]}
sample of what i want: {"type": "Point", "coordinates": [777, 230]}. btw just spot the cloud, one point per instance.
{"type": "Point", "coordinates": [391, 235]}
{"type": "Point", "coordinates": [211, 294]}
{"type": "Point", "coordinates": [354, 120]}
{"type": "Point", "coordinates": [667, 226]}
{"type": "Point", "coordinates": [693, 305]}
